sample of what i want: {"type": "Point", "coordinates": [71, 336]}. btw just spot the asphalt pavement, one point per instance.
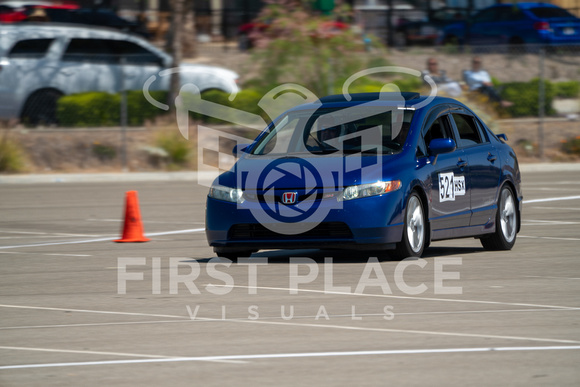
{"type": "Point", "coordinates": [78, 309]}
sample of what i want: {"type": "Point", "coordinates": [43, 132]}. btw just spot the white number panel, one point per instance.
{"type": "Point", "coordinates": [450, 186]}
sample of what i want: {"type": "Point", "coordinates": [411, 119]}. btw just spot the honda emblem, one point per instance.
{"type": "Point", "coordinates": [289, 197]}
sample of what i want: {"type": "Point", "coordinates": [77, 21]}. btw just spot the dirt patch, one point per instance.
{"type": "Point", "coordinates": [88, 150]}
{"type": "Point", "coordinates": [99, 149]}
{"type": "Point", "coordinates": [524, 135]}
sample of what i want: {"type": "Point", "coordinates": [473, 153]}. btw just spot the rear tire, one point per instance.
{"type": "Point", "coordinates": [415, 229]}
{"type": "Point", "coordinates": [506, 223]}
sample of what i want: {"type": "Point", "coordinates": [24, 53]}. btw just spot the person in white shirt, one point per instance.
{"type": "Point", "coordinates": [479, 79]}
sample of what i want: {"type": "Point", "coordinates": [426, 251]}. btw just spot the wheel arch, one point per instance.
{"type": "Point", "coordinates": [35, 93]}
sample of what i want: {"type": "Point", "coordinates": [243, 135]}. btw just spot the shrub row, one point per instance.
{"type": "Point", "coordinates": [103, 109]}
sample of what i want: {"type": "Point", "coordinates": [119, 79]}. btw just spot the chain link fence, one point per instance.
{"type": "Point", "coordinates": [539, 85]}
{"type": "Point", "coordinates": [533, 85]}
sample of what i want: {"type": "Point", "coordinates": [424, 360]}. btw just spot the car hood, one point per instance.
{"type": "Point", "coordinates": [214, 77]}
{"type": "Point", "coordinates": [288, 172]}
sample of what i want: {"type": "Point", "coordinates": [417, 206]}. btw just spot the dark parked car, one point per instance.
{"type": "Point", "coordinates": [427, 31]}
{"type": "Point", "coordinates": [96, 17]}
{"type": "Point", "coordinates": [516, 24]}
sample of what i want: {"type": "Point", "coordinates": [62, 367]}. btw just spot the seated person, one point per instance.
{"type": "Point", "coordinates": [479, 79]}
{"type": "Point", "coordinates": [443, 82]}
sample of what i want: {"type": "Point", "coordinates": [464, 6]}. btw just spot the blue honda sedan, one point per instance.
{"type": "Point", "coordinates": [373, 171]}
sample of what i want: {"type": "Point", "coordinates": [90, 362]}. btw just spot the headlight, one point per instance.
{"type": "Point", "coordinates": [372, 189]}
{"type": "Point", "coordinates": [233, 195]}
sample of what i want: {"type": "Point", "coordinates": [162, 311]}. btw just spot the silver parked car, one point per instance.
{"type": "Point", "coordinates": [39, 63]}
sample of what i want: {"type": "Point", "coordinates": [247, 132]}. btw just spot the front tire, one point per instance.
{"type": "Point", "coordinates": [506, 223]}
{"type": "Point", "coordinates": [415, 231]}
{"type": "Point", "coordinates": [40, 108]}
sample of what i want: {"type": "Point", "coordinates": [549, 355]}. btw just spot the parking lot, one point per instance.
{"type": "Point", "coordinates": [79, 309]}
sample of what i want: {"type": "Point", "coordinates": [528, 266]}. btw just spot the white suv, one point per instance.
{"type": "Point", "coordinates": [39, 63]}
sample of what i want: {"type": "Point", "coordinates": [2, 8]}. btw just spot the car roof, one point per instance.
{"type": "Point", "coordinates": [31, 30]}
{"type": "Point", "coordinates": [56, 30]}
{"type": "Point", "coordinates": [526, 5]}
{"type": "Point", "coordinates": [412, 100]}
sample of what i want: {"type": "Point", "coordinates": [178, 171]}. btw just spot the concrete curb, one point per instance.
{"type": "Point", "coordinates": [205, 177]}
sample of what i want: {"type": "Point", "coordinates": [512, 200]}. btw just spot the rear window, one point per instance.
{"type": "Point", "coordinates": [550, 12]}
{"type": "Point", "coordinates": [30, 48]}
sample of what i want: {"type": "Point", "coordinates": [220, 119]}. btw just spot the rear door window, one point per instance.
{"type": "Point", "coordinates": [134, 53]}
{"type": "Point", "coordinates": [90, 50]}
{"type": "Point", "coordinates": [30, 48]}
{"type": "Point", "coordinates": [468, 130]}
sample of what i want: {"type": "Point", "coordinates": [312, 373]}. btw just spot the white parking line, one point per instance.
{"type": "Point", "coordinates": [551, 199]}
{"type": "Point", "coordinates": [85, 352]}
{"type": "Point", "coordinates": [144, 221]}
{"type": "Point", "coordinates": [92, 311]}
{"type": "Point", "coordinates": [533, 222]}
{"type": "Point", "coordinates": [403, 297]}
{"type": "Point", "coordinates": [47, 234]}
{"type": "Point", "coordinates": [305, 317]}
{"type": "Point", "coordinates": [340, 327]}
{"type": "Point", "coordinates": [187, 231]}
{"type": "Point", "coordinates": [557, 208]}
{"type": "Point", "coordinates": [296, 355]}
{"type": "Point", "coordinates": [54, 254]}
{"type": "Point", "coordinates": [550, 238]}
{"type": "Point", "coordinates": [111, 354]}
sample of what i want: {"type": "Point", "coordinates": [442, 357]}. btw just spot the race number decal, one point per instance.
{"type": "Point", "coordinates": [450, 186]}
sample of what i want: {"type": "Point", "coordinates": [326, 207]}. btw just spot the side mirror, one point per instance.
{"type": "Point", "coordinates": [440, 145]}
{"type": "Point", "coordinates": [503, 136]}
{"type": "Point", "coordinates": [240, 148]}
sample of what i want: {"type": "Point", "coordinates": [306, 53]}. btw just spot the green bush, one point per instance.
{"type": "Point", "coordinates": [104, 109]}
{"type": "Point", "coordinates": [569, 89]}
{"type": "Point", "coordinates": [89, 109]}
{"type": "Point", "coordinates": [246, 100]}
{"type": "Point", "coordinates": [11, 155]}
{"type": "Point", "coordinates": [524, 96]}
{"type": "Point", "coordinates": [139, 109]}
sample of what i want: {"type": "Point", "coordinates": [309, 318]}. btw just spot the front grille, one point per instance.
{"type": "Point", "coordinates": [327, 230]}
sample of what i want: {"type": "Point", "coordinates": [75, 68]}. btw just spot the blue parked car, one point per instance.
{"type": "Point", "coordinates": [516, 24]}
{"type": "Point", "coordinates": [372, 171]}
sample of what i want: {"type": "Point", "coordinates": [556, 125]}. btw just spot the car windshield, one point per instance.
{"type": "Point", "coordinates": [550, 12]}
{"type": "Point", "coordinates": [355, 129]}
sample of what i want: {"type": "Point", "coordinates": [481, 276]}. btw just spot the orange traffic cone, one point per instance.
{"type": "Point", "coordinates": [133, 228]}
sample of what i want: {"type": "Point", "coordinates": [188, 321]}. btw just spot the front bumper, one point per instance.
{"type": "Point", "coordinates": [362, 224]}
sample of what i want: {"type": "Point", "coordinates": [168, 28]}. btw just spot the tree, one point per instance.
{"type": "Point", "coordinates": [180, 41]}
{"type": "Point", "coordinates": [299, 45]}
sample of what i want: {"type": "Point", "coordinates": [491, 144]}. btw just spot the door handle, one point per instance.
{"type": "Point", "coordinates": [461, 163]}
{"type": "Point", "coordinates": [491, 157]}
